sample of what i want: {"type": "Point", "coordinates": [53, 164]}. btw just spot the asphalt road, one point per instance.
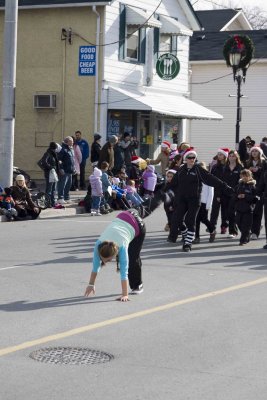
{"type": "Point", "coordinates": [197, 332]}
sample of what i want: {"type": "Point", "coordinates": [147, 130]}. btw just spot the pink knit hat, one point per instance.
{"type": "Point", "coordinates": [258, 148]}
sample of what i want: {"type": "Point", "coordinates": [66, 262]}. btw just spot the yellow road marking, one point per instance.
{"type": "Point", "coordinates": [113, 321]}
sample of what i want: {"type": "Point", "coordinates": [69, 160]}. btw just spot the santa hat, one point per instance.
{"type": "Point", "coordinates": [188, 151]}
{"type": "Point", "coordinates": [258, 148]}
{"type": "Point", "coordinates": [224, 151]}
{"type": "Point", "coordinates": [171, 171]}
{"type": "Point", "coordinates": [97, 172]}
{"type": "Point", "coordinates": [165, 144]}
{"type": "Point", "coordinates": [135, 159]}
{"type": "Point", "coordinates": [173, 146]}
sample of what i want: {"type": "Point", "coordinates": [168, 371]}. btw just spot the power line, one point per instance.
{"type": "Point", "coordinates": [120, 40]}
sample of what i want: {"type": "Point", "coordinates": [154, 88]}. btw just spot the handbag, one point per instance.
{"type": "Point", "coordinates": [53, 176]}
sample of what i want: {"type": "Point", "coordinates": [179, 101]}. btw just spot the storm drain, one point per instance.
{"type": "Point", "coordinates": [70, 355]}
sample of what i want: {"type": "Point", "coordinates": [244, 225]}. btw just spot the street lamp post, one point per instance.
{"type": "Point", "coordinates": [235, 59]}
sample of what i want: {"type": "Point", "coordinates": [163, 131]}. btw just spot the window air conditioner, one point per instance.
{"type": "Point", "coordinates": [45, 101]}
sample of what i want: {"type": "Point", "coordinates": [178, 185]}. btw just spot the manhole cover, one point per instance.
{"type": "Point", "coordinates": [70, 355]}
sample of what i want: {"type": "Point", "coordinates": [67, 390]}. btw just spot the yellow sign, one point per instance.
{"type": "Point", "coordinates": [149, 139]}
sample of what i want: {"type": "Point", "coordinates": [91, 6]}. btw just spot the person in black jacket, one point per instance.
{"type": "Point", "coordinates": [218, 171]}
{"type": "Point", "coordinates": [245, 204]}
{"type": "Point", "coordinates": [95, 149]}
{"type": "Point", "coordinates": [187, 185]}
{"type": "Point", "coordinates": [261, 188]}
{"type": "Point", "coordinates": [256, 164]}
{"type": "Point", "coordinates": [49, 163]}
{"type": "Point", "coordinates": [66, 170]}
{"type": "Point", "coordinates": [231, 176]}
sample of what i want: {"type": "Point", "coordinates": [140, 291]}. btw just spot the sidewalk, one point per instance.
{"type": "Point", "coordinates": [70, 209]}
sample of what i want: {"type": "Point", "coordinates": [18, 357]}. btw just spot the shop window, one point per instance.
{"type": "Point", "coordinates": [132, 41]}
{"type": "Point", "coordinates": [164, 44]}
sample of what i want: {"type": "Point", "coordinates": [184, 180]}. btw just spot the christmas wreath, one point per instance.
{"type": "Point", "coordinates": [241, 44]}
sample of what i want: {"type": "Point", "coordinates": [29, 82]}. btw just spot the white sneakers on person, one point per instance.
{"type": "Point", "coordinates": [253, 236]}
{"type": "Point", "coordinates": [61, 201]}
{"type": "Point", "coordinates": [138, 290]}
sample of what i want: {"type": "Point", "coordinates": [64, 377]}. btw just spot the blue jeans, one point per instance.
{"type": "Point", "coordinates": [50, 190]}
{"type": "Point", "coordinates": [64, 185]}
{"type": "Point", "coordinates": [96, 200]}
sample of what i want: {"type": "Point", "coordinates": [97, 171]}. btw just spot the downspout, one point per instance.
{"type": "Point", "coordinates": [97, 66]}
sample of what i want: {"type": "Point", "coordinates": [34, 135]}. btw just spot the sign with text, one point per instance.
{"type": "Point", "coordinates": [168, 66]}
{"type": "Point", "coordinates": [87, 60]}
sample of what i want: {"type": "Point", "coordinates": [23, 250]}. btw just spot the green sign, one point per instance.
{"type": "Point", "coordinates": [168, 66]}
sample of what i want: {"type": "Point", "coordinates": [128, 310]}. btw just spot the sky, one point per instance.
{"type": "Point", "coordinates": [207, 4]}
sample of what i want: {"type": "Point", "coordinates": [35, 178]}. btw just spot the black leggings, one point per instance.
{"type": "Point", "coordinates": [202, 216]}
{"type": "Point", "coordinates": [184, 218]}
{"type": "Point", "coordinates": [134, 250]}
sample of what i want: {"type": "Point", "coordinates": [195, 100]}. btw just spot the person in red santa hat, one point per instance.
{"type": "Point", "coordinates": [163, 157]}
{"type": "Point", "coordinates": [187, 185]}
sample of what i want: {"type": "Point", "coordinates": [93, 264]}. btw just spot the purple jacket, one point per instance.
{"type": "Point", "coordinates": [96, 185]}
{"type": "Point", "coordinates": [150, 180]}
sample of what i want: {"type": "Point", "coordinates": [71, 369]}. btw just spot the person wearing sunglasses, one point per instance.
{"type": "Point", "coordinates": [187, 186]}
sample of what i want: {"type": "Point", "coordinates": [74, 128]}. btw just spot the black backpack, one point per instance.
{"type": "Point", "coordinates": [41, 162]}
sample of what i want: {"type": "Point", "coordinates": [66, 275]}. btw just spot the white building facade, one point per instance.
{"type": "Point", "coordinates": [133, 97]}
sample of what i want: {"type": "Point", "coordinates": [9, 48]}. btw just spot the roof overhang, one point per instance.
{"type": "Point", "coordinates": [173, 27]}
{"type": "Point", "coordinates": [61, 5]}
{"type": "Point", "coordinates": [160, 103]}
{"type": "Point", "coordinates": [244, 22]}
{"type": "Point", "coordinates": [136, 16]}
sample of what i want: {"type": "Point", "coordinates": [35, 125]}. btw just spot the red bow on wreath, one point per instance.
{"type": "Point", "coordinates": [239, 44]}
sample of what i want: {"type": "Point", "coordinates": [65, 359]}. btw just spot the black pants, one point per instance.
{"type": "Point", "coordinates": [257, 217]}
{"type": "Point", "coordinates": [244, 223]}
{"type": "Point", "coordinates": [134, 250]}
{"type": "Point", "coordinates": [228, 204]}
{"type": "Point", "coordinates": [202, 216]}
{"type": "Point", "coordinates": [216, 205]}
{"type": "Point", "coordinates": [184, 218]}
{"type": "Point", "coordinates": [265, 216]}
{"type": "Point", "coordinates": [82, 175]}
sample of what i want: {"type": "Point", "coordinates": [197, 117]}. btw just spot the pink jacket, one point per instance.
{"type": "Point", "coordinates": [96, 185]}
{"type": "Point", "coordinates": [150, 180]}
{"type": "Point", "coordinates": [77, 158]}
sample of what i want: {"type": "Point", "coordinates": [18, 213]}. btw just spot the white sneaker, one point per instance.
{"type": "Point", "coordinates": [231, 236]}
{"type": "Point", "coordinates": [138, 290]}
{"type": "Point", "coordinates": [93, 212]}
{"type": "Point", "coordinates": [61, 201]}
{"type": "Point", "coordinates": [253, 236]}
{"type": "Point", "coordinates": [98, 213]}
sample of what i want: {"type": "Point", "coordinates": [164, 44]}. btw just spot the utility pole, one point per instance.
{"type": "Point", "coordinates": [7, 116]}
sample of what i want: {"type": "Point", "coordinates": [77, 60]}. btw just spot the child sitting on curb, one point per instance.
{"type": "Point", "coordinates": [7, 204]}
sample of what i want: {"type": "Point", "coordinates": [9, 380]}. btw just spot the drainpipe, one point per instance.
{"type": "Point", "coordinates": [97, 66]}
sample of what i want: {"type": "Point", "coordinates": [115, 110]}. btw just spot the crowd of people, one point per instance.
{"type": "Point", "coordinates": [233, 186]}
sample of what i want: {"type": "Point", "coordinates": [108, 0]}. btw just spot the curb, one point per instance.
{"type": "Point", "coordinates": [63, 212]}
{"type": "Point", "coordinates": [52, 213]}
